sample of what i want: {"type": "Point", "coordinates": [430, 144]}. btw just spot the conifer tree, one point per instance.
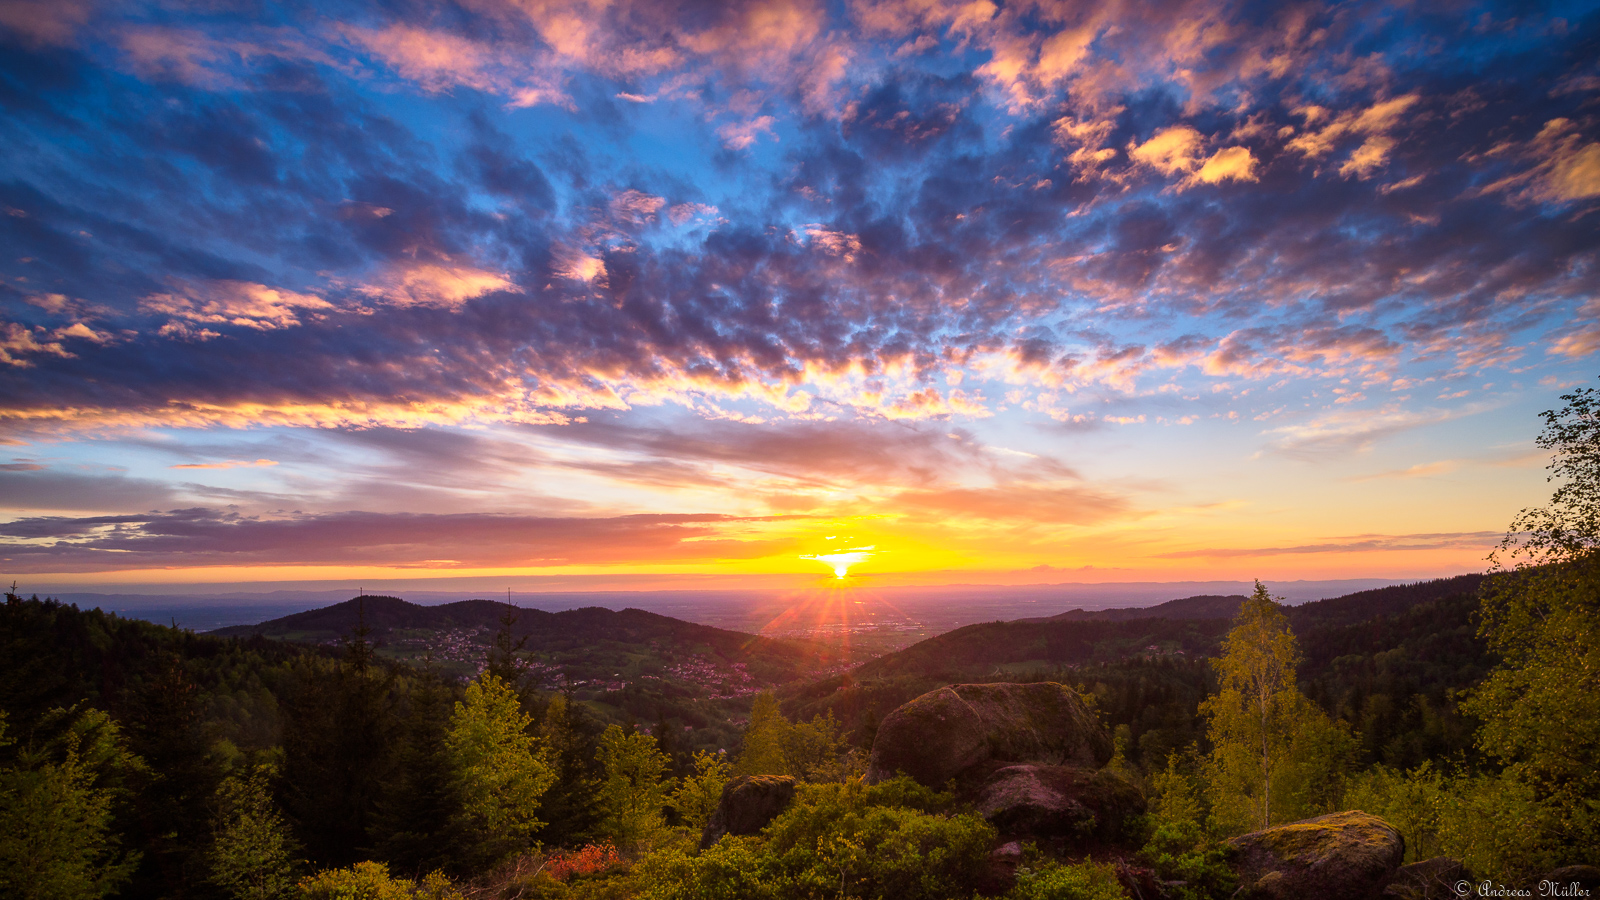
{"type": "Point", "coordinates": [764, 738]}
{"type": "Point", "coordinates": [253, 855]}
{"type": "Point", "coordinates": [634, 786]}
{"type": "Point", "coordinates": [416, 824]}
{"type": "Point", "coordinates": [569, 805]}
{"type": "Point", "coordinates": [502, 770]}
{"type": "Point", "coordinates": [338, 736]}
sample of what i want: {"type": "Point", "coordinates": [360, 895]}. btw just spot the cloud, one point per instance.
{"type": "Point", "coordinates": [740, 135]}
{"type": "Point", "coordinates": [1476, 541]}
{"type": "Point", "coordinates": [446, 286]}
{"type": "Point", "coordinates": [236, 303]}
{"type": "Point", "coordinates": [228, 464]}
{"type": "Point", "coordinates": [201, 536]}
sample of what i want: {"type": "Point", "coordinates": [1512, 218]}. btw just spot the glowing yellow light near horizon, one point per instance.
{"type": "Point", "coordinates": [840, 563]}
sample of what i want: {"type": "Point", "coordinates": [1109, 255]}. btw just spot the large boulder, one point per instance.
{"type": "Point", "coordinates": [946, 732]}
{"type": "Point", "coordinates": [1430, 879]}
{"type": "Point", "coordinates": [747, 804]}
{"type": "Point", "coordinates": [1060, 802]}
{"type": "Point", "coordinates": [1332, 857]}
{"type": "Point", "coordinates": [1569, 881]}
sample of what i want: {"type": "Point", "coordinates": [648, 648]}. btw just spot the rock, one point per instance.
{"type": "Point", "coordinates": [747, 804]}
{"type": "Point", "coordinates": [1141, 883]}
{"type": "Point", "coordinates": [943, 733]}
{"type": "Point", "coordinates": [1569, 881]}
{"type": "Point", "coordinates": [1060, 801]}
{"type": "Point", "coordinates": [1001, 875]}
{"type": "Point", "coordinates": [1431, 879]}
{"type": "Point", "coordinates": [1332, 857]}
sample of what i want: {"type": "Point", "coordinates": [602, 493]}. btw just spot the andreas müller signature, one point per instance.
{"type": "Point", "coordinates": [1544, 889]}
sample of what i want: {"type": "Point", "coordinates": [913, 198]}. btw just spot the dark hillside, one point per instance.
{"type": "Point", "coordinates": [1389, 661]}
{"type": "Point", "coordinates": [1204, 606]}
{"type": "Point", "coordinates": [1364, 605]}
{"type": "Point", "coordinates": [591, 631]}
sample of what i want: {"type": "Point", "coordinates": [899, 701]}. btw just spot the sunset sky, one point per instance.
{"type": "Point", "coordinates": [963, 292]}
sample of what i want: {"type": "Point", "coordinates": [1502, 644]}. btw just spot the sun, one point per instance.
{"type": "Point", "coordinates": [841, 562]}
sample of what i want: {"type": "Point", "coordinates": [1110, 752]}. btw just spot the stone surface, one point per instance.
{"type": "Point", "coordinates": [1332, 857]}
{"type": "Point", "coordinates": [1060, 802]}
{"type": "Point", "coordinates": [946, 732]}
{"type": "Point", "coordinates": [1430, 879]}
{"type": "Point", "coordinates": [747, 804]}
{"type": "Point", "coordinates": [1569, 881]}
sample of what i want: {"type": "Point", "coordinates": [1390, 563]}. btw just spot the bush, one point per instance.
{"type": "Point", "coordinates": [1180, 851]}
{"type": "Point", "coordinates": [372, 881]}
{"type": "Point", "coordinates": [1059, 881]}
{"type": "Point", "coordinates": [894, 840]}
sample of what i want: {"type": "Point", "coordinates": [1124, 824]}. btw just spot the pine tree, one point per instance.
{"type": "Point", "coordinates": [634, 786]}
{"type": "Point", "coordinates": [338, 736]}
{"type": "Point", "coordinates": [502, 770]}
{"type": "Point", "coordinates": [253, 855]}
{"type": "Point", "coordinates": [416, 824]}
{"type": "Point", "coordinates": [569, 805]}
{"type": "Point", "coordinates": [764, 738]}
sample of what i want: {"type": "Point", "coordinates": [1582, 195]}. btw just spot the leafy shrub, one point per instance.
{"type": "Point", "coordinates": [565, 864]}
{"type": "Point", "coordinates": [1180, 851]}
{"type": "Point", "coordinates": [372, 881]}
{"type": "Point", "coordinates": [1059, 881]}
{"type": "Point", "coordinates": [837, 840]}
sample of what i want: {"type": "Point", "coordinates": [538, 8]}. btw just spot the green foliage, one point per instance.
{"type": "Point", "coordinates": [1179, 848]}
{"type": "Point", "coordinates": [699, 792]}
{"type": "Point", "coordinates": [417, 826]}
{"type": "Point", "coordinates": [1493, 823]}
{"type": "Point", "coordinates": [372, 881]}
{"type": "Point", "coordinates": [634, 786]}
{"type": "Point", "coordinates": [501, 767]}
{"type": "Point", "coordinates": [1541, 706]}
{"type": "Point", "coordinates": [836, 840]}
{"type": "Point", "coordinates": [252, 853]}
{"type": "Point", "coordinates": [772, 745]}
{"type": "Point", "coordinates": [762, 750]}
{"type": "Point", "coordinates": [56, 811]}
{"type": "Point", "coordinates": [1181, 852]}
{"type": "Point", "coordinates": [340, 724]}
{"type": "Point", "coordinates": [569, 805]}
{"type": "Point", "coordinates": [1060, 881]}
{"type": "Point", "coordinates": [1410, 801]}
{"type": "Point", "coordinates": [1275, 755]}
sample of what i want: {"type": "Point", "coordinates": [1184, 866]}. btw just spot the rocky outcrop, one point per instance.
{"type": "Point", "coordinates": [1060, 802]}
{"type": "Point", "coordinates": [747, 804]}
{"type": "Point", "coordinates": [947, 732]}
{"type": "Point", "coordinates": [1568, 881]}
{"type": "Point", "coordinates": [1332, 857]}
{"type": "Point", "coordinates": [1431, 879]}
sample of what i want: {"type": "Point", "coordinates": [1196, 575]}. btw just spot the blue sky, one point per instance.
{"type": "Point", "coordinates": [513, 289]}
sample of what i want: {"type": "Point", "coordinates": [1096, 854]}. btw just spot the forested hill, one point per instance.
{"type": "Point", "coordinates": [1344, 610]}
{"type": "Point", "coordinates": [1390, 662]}
{"type": "Point", "coordinates": [1205, 606]}
{"type": "Point", "coordinates": [592, 637]}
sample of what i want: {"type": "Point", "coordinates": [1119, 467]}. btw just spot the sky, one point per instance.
{"type": "Point", "coordinates": [602, 292]}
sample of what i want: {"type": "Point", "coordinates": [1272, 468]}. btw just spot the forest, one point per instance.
{"type": "Point", "coordinates": [138, 760]}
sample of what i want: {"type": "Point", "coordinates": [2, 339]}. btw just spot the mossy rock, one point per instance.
{"type": "Point", "coordinates": [1342, 855]}
{"type": "Point", "coordinates": [1430, 879]}
{"type": "Point", "coordinates": [747, 804]}
{"type": "Point", "coordinates": [948, 731]}
{"type": "Point", "coordinates": [1067, 802]}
